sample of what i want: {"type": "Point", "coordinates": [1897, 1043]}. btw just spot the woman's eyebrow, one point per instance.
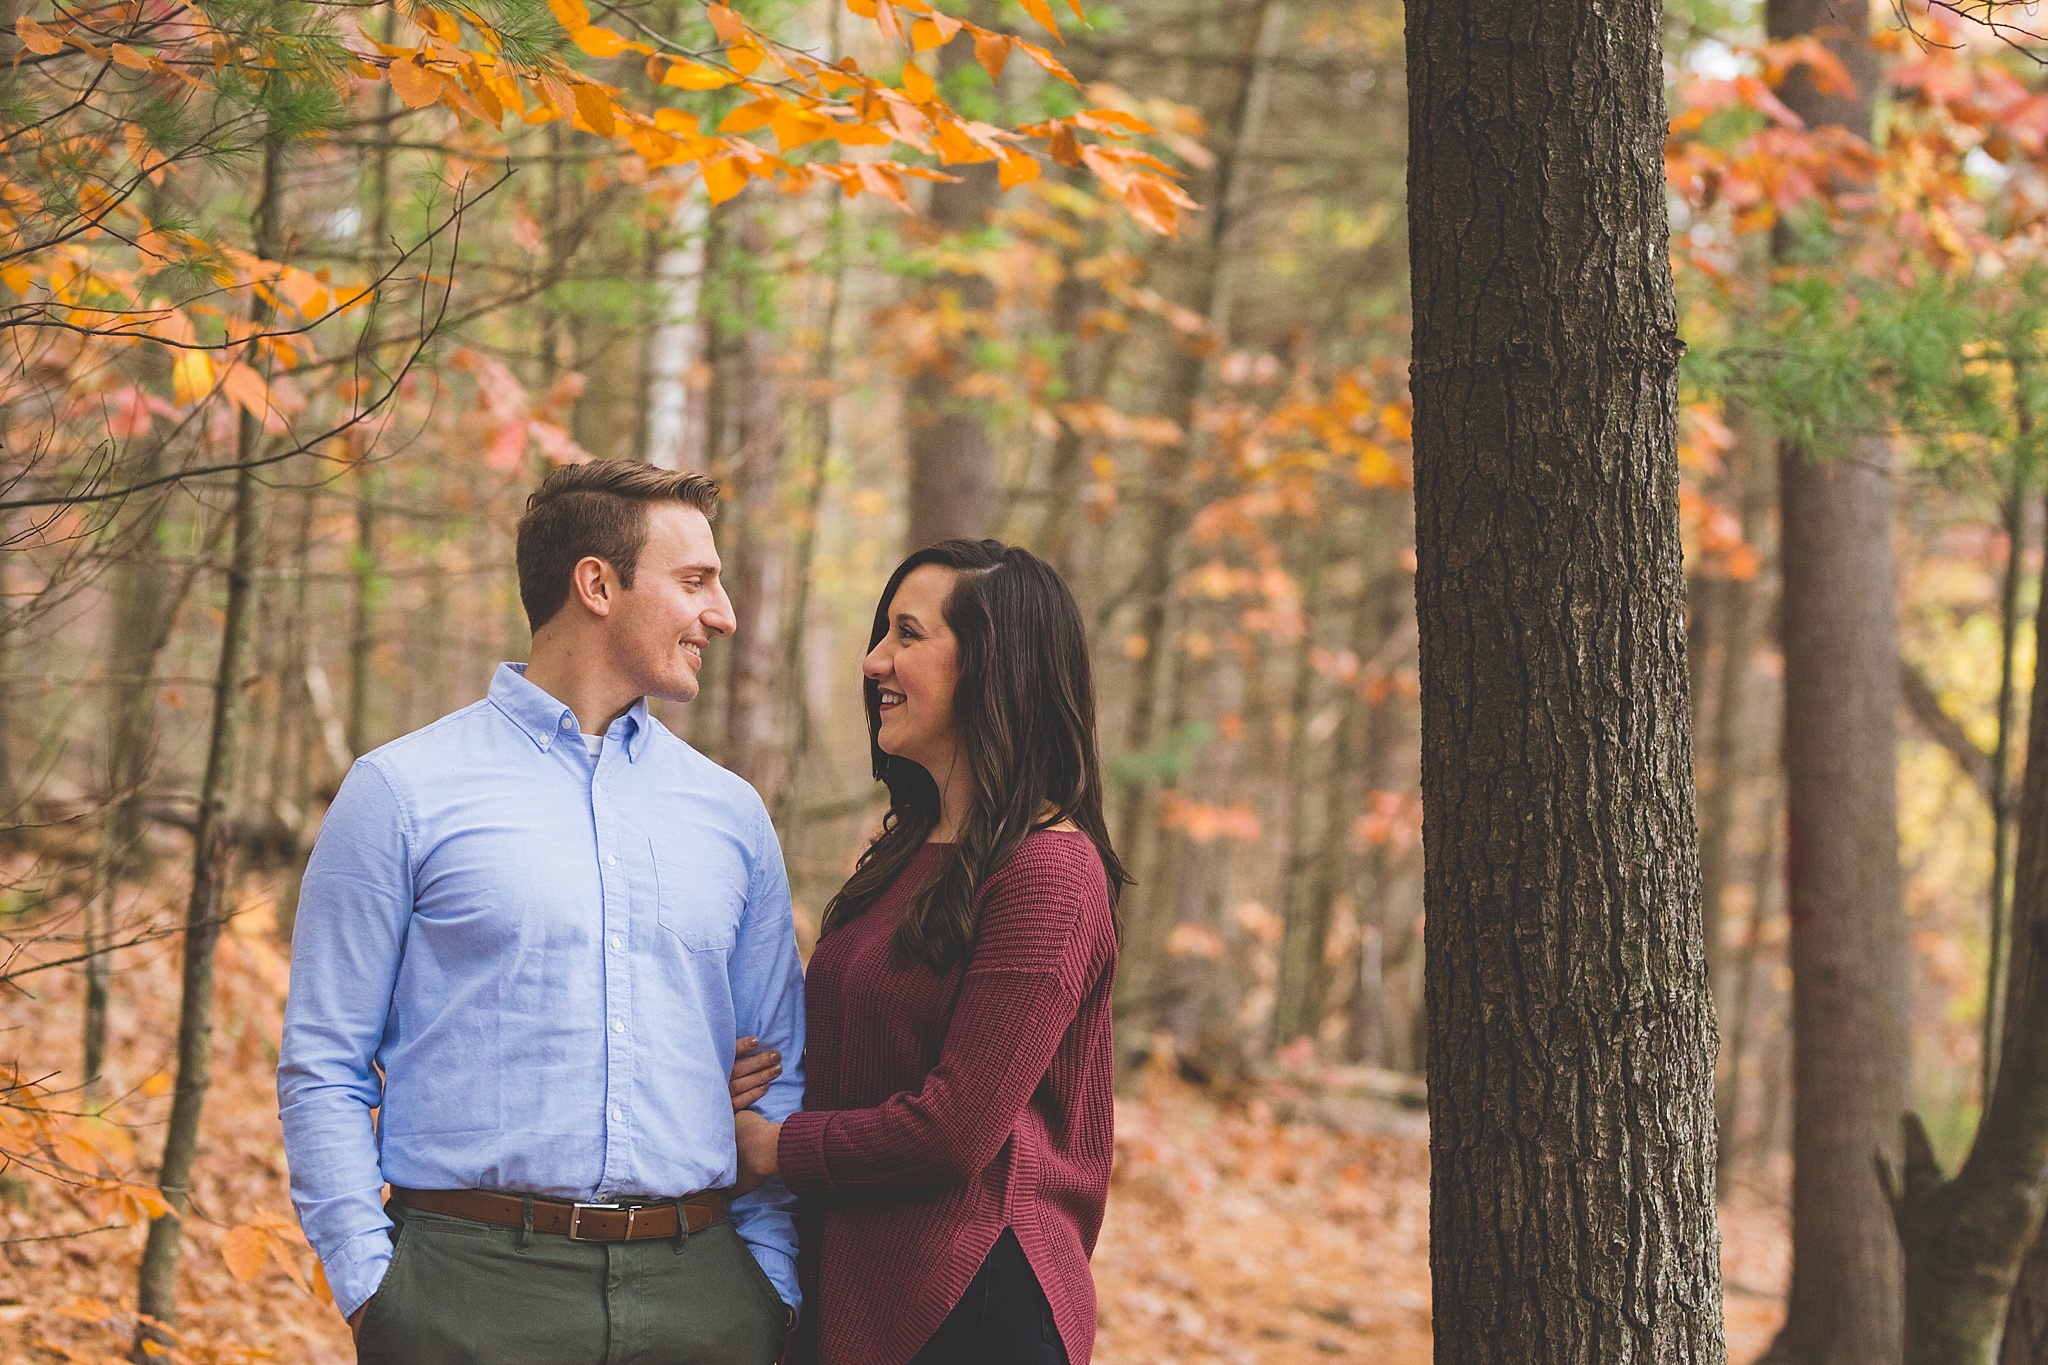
{"type": "Point", "coordinates": [907, 618]}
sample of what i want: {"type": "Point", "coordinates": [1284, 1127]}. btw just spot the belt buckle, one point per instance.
{"type": "Point", "coordinates": [576, 1220]}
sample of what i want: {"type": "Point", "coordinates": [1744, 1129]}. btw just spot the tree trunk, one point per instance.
{"type": "Point", "coordinates": [952, 476]}
{"type": "Point", "coordinates": [212, 846]}
{"type": "Point", "coordinates": [139, 630]}
{"type": "Point", "coordinates": [1964, 1238]}
{"type": "Point", "coordinates": [1571, 1032]}
{"type": "Point", "coordinates": [1156, 677]}
{"type": "Point", "coordinates": [1848, 942]}
{"type": "Point", "coordinates": [2001, 754]}
{"type": "Point", "coordinates": [1305, 912]}
{"type": "Point", "coordinates": [757, 547]}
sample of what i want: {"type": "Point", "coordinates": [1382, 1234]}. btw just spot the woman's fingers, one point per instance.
{"type": "Point", "coordinates": [752, 1073]}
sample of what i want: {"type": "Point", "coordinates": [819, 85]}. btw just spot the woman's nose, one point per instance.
{"type": "Point", "coordinates": [874, 666]}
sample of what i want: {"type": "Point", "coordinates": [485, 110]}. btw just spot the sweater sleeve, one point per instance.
{"type": "Point", "coordinates": [1033, 958]}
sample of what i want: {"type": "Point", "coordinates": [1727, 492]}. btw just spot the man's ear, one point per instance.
{"type": "Point", "coordinates": [593, 584]}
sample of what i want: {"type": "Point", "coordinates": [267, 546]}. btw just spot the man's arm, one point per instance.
{"type": "Point", "coordinates": [768, 1001]}
{"type": "Point", "coordinates": [354, 905]}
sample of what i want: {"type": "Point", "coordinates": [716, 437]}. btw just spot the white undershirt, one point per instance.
{"type": "Point", "coordinates": [593, 745]}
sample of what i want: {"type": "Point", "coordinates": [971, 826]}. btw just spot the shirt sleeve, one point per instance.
{"type": "Point", "coordinates": [1031, 966]}
{"type": "Point", "coordinates": [768, 1003]}
{"type": "Point", "coordinates": [354, 905]}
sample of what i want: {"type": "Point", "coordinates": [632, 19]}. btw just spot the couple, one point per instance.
{"type": "Point", "coordinates": [535, 935]}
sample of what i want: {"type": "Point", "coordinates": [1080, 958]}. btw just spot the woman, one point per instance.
{"type": "Point", "coordinates": [956, 1136]}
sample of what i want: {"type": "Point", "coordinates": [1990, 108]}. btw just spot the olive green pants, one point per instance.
{"type": "Point", "coordinates": [463, 1293]}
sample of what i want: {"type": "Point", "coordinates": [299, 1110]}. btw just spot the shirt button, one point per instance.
{"type": "Point", "coordinates": [597, 789]}
{"type": "Point", "coordinates": [618, 1114]}
{"type": "Point", "coordinates": [615, 940]}
{"type": "Point", "coordinates": [611, 860]}
{"type": "Point", "coordinates": [568, 722]}
{"type": "Point", "coordinates": [618, 1026]}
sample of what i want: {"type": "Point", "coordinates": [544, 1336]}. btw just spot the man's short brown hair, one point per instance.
{"type": "Point", "coordinates": [598, 509]}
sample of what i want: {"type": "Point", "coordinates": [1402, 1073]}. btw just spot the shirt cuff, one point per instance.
{"type": "Point", "coordinates": [357, 1271]}
{"type": "Point", "coordinates": [800, 1153]}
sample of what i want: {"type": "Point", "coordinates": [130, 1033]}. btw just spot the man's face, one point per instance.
{"type": "Point", "coordinates": [658, 628]}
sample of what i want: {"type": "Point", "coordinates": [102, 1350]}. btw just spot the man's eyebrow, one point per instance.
{"type": "Point", "coordinates": [703, 570]}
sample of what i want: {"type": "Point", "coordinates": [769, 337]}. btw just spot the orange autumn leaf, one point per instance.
{"type": "Point", "coordinates": [724, 177]}
{"type": "Point", "coordinates": [415, 86]}
{"type": "Point", "coordinates": [596, 109]}
{"type": "Point", "coordinates": [992, 50]}
{"type": "Point", "coordinates": [1042, 12]}
{"type": "Point", "coordinates": [918, 84]}
{"type": "Point", "coordinates": [36, 38]}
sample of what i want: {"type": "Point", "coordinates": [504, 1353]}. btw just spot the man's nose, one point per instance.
{"type": "Point", "coordinates": [720, 620]}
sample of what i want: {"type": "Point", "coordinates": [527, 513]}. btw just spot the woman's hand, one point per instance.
{"type": "Point", "coordinates": [751, 1073]}
{"type": "Point", "coordinates": [757, 1139]}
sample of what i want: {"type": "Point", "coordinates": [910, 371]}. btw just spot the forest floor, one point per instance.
{"type": "Point", "coordinates": [1285, 1226]}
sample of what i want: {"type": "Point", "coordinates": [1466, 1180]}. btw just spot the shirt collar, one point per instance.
{"type": "Point", "coordinates": [546, 720]}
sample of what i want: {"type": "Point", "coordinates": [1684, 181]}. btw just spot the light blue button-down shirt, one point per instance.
{"type": "Point", "coordinates": [548, 959]}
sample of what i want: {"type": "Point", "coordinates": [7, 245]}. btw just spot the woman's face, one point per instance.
{"type": "Point", "coordinates": [916, 665]}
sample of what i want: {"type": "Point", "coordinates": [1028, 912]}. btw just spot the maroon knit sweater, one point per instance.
{"type": "Point", "coordinates": [939, 1110]}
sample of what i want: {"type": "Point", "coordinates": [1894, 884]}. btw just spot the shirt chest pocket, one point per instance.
{"type": "Point", "coordinates": [701, 905]}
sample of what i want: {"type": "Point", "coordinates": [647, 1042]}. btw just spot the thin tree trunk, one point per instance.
{"type": "Point", "coordinates": [362, 635]}
{"type": "Point", "coordinates": [139, 630]}
{"type": "Point", "coordinates": [1728, 1089]}
{"type": "Point", "coordinates": [1156, 683]}
{"type": "Point", "coordinates": [212, 847]}
{"type": "Point", "coordinates": [757, 548]}
{"type": "Point", "coordinates": [1305, 914]}
{"type": "Point", "coordinates": [1571, 1030]}
{"type": "Point", "coordinates": [2001, 754]}
{"type": "Point", "coordinates": [803, 554]}
{"type": "Point", "coordinates": [1735, 602]}
{"type": "Point", "coordinates": [1848, 940]}
{"type": "Point", "coordinates": [1965, 1238]}
{"type": "Point", "coordinates": [952, 474]}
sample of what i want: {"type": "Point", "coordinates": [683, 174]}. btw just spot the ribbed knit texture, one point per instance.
{"type": "Point", "coordinates": [939, 1110]}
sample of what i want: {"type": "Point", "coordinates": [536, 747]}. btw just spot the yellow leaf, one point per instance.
{"type": "Point", "coordinates": [36, 38]}
{"type": "Point", "coordinates": [676, 121]}
{"type": "Point", "coordinates": [160, 1084]}
{"type": "Point", "coordinates": [696, 76]}
{"type": "Point", "coordinates": [416, 86]}
{"type": "Point", "coordinates": [724, 177]}
{"type": "Point", "coordinates": [322, 1291]}
{"type": "Point", "coordinates": [749, 117]}
{"type": "Point", "coordinates": [918, 84]}
{"type": "Point", "coordinates": [1015, 168]}
{"type": "Point", "coordinates": [1047, 60]}
{"type": "Point", "coordinates": [16, 277]}
{"type": "Point", "coordinates": [1042, 12]}
{"type": "Point", "coordinates": [926, 35]}
{"type": "Point", "coordinates": [744, 57]}
{"type": "Point", "coordinates": [596, 108]}
{"type": "Point", "coordinates": [570, 14]}
{"type": "Point", "coordinates": [864, 8]}
{"type": "Point", "coordinates": [725, 23]}
{"type": "Point", "coordinates": [244, 1249]}
{"type": "Point", "coordinates": [602, 42]}
{"type": "Point", "coordinates": [191, 380]}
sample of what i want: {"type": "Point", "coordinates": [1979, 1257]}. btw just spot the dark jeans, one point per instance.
{"type": "Point", "coordinates": [463, 1293]}
{"type": "Point", "coordinates": [1002, 1319]}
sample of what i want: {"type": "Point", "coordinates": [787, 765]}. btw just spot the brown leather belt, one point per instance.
{"type": "Point", "coordinates": [625, 1222]}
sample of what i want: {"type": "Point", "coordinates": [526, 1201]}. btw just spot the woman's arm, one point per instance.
{"type": "Point", "coordinates": [1043, 936]}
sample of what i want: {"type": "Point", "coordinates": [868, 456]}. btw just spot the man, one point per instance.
{"type": "Point", "coordinates": [530, 937]}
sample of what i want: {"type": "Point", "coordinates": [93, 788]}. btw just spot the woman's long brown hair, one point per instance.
{"type": "Point", "coordinates": [1024, 709]}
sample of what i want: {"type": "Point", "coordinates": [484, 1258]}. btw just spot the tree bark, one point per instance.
{"type": "Point", "coordinates": [212, 846]}
{"type": "Point", "coordinates": [952, 476]}
{"type": "Point", "coordinates": [1848, 940]}
{"type": "Point", "coordinates": [1156, 681]}
{"type": "Point", "coordinates": [139, 630]}
{"type": "Point", "coordinates": [756, 546]}
{"type": "Point", "coordinates": [1964, 1238]}
{"type": "Point", "coordinates": [1571, 1031]}
{"type": "Point", "coordinates": [2002, 830]}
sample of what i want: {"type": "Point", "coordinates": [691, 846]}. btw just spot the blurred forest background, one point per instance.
{"type": "Point", "coordinates": [299, 301]}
